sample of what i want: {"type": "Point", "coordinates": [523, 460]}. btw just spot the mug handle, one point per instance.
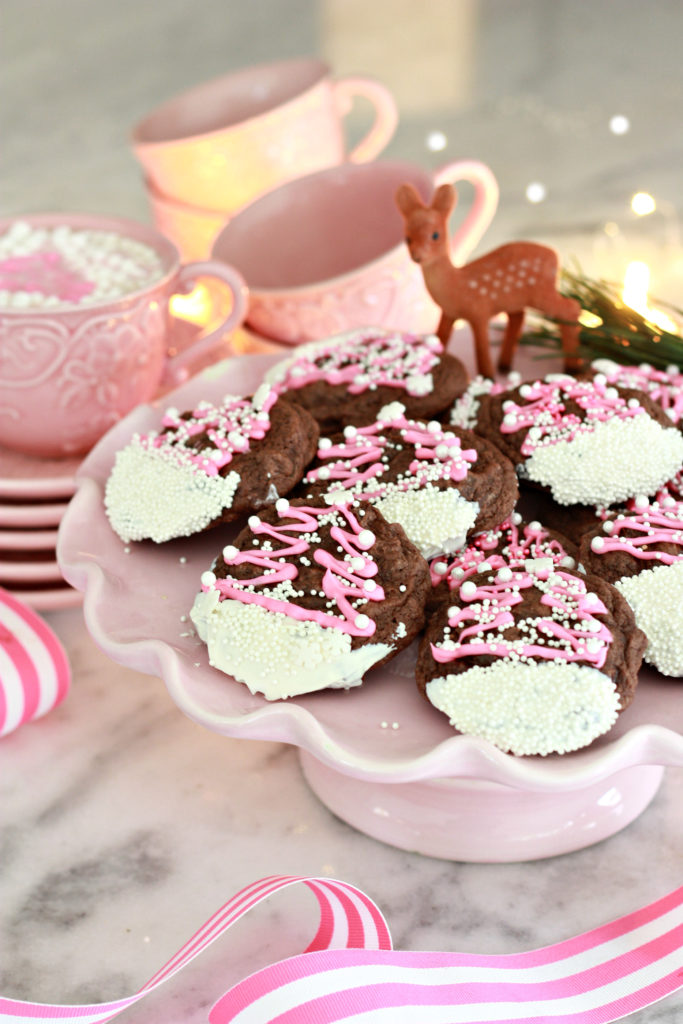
{"type": "Point", "coordinates": [482, 210]}
{"type": "Point", "coordinates": [386, 114]}
{"type": "Point", "coordinates": [178, 366]}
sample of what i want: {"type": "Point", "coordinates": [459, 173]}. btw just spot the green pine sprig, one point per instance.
{"type": "Point", "coordinates": [623, 334]}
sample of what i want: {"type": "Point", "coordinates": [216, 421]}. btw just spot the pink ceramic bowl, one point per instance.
{"type": "Point", "coordinates": [228, 140]}
{"type": "Point", "coordinates": [192, 229]}
{"type": "Point", "coordinates": [69, 372]}
{"type": "Point", "coordinates": [326, 253]}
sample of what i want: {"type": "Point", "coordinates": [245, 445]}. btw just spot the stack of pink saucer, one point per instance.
{"type": "Point", "coordinates": [34, 494]}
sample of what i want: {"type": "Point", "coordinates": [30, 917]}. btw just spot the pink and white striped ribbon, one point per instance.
{"type": "Point", "coordinates": [34, 671]}
{"type": "Point", "coordinates": [351, 973]}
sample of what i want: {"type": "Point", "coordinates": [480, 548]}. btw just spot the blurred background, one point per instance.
{"type": "Point", "coordinates": [574, 104]}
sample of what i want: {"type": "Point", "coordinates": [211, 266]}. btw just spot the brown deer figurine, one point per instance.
{"type": "Point", "coordinates": [509, 279]}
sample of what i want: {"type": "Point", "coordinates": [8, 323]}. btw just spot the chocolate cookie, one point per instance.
{"type": "Point", "coordinates": [585, 441]}
{"type": "Point", "coordinates": [511, 544]}
{"type": "Point", "coordinates": [640, 551]}
{"type": "Point", "coordinates": [673, 488]}
{"type": "Point", "coordinates": [442, 485]}
{"type": "Point", "coordinates": [311, 597]}
{"type": "Point", "coordinates": [208, 466]}
{"type": "Point", "coordinates": [537, 660]}
{"type": "Point", "coordinates": [665, 387]}
{"type": "Point", "coordinates": [572, 521]}
{"type": "Point", "coordinates": [348, 378]}
{"type": "Point", "coordinates": [465, 409]}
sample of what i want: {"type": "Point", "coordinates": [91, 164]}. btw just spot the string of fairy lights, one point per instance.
{"type": "Point", "coordinates": [619, 317]}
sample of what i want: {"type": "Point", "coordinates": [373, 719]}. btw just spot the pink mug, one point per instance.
{"type": "Point", "coordinates": [192, 229]}
{"type": "Point", "coordinates": [70, 371]}
{"type": "Point", "coordinates": [326, 253]}
{"type": "Point", "coordinates": [225, 142]}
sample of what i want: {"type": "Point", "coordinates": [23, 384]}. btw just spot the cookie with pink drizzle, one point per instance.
{"type": "Point", "coordinates": [672, 488]}
{"type": "Point", "coordinates": [640, 551]}
{"type": "Point", "coordinates": [512, 543]}
{"type": "Point", "coordinates": [465, 409]}
{"type": "Point", "coordinates": [665, 387]}
{"type": "Point", "coordinates": [348, 378]}
{"type": "Point", "coordinates": [586, 441]}
{"type": "Point", "coordinates": [572, 521]}
{"type": "Point", "coordinates": [311, 597]}
{"type": "Point", "coordinates": [535, 658]}
{"type": "Point", "coordinates": [208, 465]}
{"type": "Point", "coordinates": [442, 485]}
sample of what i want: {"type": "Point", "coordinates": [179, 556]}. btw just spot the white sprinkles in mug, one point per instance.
{"type": "Point", "coordinates": [53, 266]}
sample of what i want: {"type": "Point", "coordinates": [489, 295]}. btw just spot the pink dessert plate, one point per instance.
{"type": "Point", "coordinates": [34, 514]}
{"type": "Point", "coordinates": [27, 540]}
{"type": "Point", "coordinates": [46, 598]}
{"type": "Point", "coordinates": [26, 477]}
{"type": "Point", "coordinates": [29, 568]}
{"type": "Point", "coordinates": [379, 756]}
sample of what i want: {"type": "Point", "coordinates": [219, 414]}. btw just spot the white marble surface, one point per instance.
{"type": "Point", "coordinates": [124, 825]}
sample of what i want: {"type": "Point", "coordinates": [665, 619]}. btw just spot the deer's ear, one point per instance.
{"type": "Point", "coordinates": [444, 199]}
{"type": "Point", "coordinates": [408, 199]}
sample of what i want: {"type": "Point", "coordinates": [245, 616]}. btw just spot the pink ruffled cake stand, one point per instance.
{"type": "Point", "coordinates": [379, 756]}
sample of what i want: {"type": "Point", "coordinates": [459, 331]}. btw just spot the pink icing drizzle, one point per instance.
{"type": "Point", "coordinates": [343, 580]}
{"type": "Point", "coordinates": [663, 386]}
{"type": "Point", "coordinates": [672, 489]}
{"type": "Point", "coordinates": [489, 611]}
{"type": "Point", "coordinates": [230, 429]}
{"type": "Point", "coordinates": [543, 413]}
{"type": "Point", "coordinates": [368, 359]}
{"type": "Point", "coordinates": [531, 542]}
{"type": "Point", "coordinates": [652, 525]}
{"type": "Point", "coordinates": [358, 460]}
{"type": "Point", "coordinates": [43, 272]}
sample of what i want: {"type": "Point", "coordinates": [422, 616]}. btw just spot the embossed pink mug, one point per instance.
{"type": "Point", "coordinates": [326, 253]}
{"type": "Point", "coordinates": [229, 140]}
{"type": "Point", "coordinates": [69, 372]}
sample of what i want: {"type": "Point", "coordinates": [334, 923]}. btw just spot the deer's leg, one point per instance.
{"type": "Point", "coordinates": [510, 339]}
{"type": "Point", "coordinates": [568, 311]}
{"type": "Point", "coordinates": [570, 348]}
{"type": "Point", "coordinates": [482, 347]}
{"type": "Point", "coordinates": [445, 328]}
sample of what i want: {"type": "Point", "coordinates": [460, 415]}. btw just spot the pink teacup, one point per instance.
{"type": "Point", "coordinates": [231, 139]}
{"type": "Point", "coordinates": [326, 253]}
{"type": "Point", "coordinates": [70, 371]}
{"type": "Point", "coordinates": [191, 228]}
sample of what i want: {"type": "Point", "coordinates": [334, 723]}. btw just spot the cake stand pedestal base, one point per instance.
{"type": "Point", "coordinates": [484, 822]}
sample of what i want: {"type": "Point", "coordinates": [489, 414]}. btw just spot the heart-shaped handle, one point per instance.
{"type": "Point", "coordinates": [482, 210]}
{"type": "Point", "coordinates": [386, 115]}
{"type": "Point", "coordinates": [179, 365]}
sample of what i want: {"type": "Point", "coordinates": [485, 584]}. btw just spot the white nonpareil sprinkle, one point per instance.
{"type": "Point", "coordinates": [465, 409]}
{"type": "Point", "coordinates": [656, 597]}
{"type": "Point", "coordinates": [420, 384]}
{"type": "Point", "coordinates": [276, 655]}
{"type": "Point", "coordinates": [115, 264]}
{"type": "Point", "coordinates": [437, 521]}
{"type": "Point", "coordinates": [405, 359]}
{"type": "Point", "coordinates": [529, 708]}
{"type": "Point", "coordinates": [618, 458]}
{"type": "Point", "coordinates": [392, 411]}
{"type": "Point", "coordinates": [151, 497]}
